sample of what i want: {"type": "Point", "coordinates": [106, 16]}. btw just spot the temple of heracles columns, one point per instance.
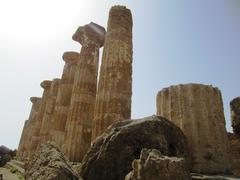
{"type": "Point", "coordinates": [198, 110]}
{"type": "Point", "coordinates": [79, 121]}
{"type": "Point", "coordinates": [113, 100]}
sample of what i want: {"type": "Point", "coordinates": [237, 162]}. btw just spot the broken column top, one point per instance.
{"type": "Point", "coordinates": [46, 84]}
{"type": "Point", "coordinates": [70, 57]}
{"type": "Point", "coordinates": [120, 17]}
{"type": "Point", "coordinates": [90, 34]}
{"type": "Point", "coordinates": [35, 99]}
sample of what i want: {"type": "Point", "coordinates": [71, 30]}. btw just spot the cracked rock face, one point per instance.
{"type": "Point", "coordinates": [152, 165]}
{"type": "Point", "coordinates": [49, 163]}
{"type": "Point", "coordinates": [112, 154]}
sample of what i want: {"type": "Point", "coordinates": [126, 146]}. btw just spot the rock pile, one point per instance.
{"type": "Point", "coordinates": [49, 163]}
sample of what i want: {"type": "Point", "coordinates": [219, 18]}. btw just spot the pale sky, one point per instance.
{"type": "Point", "coordinates": [187, 41]}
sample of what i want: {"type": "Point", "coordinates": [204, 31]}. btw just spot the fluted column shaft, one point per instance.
{"type": "Point", "coordinates": [47, 122]}
{"type": "Point", "coordinates": [113, 100]}
{"type": "Point", "coordinates": [79, 122]}
{"type": "Point", "coordinates": [21, 146]}
{"type": "Point", "coordinates": [64, 97]}
{"type": "Point", "coordinates": [35, 138]}
{"type": "Point", "coordinates": [24, 145]}
{"type": "Point", "coordinates": [198, 110]}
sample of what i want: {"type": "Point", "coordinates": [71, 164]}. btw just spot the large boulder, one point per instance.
{"type": "Point", "coordinates": [152, 165]}
{"type": "Point", "coordinates": [50, 164]}
{"type": "Point", "coordinates": [111, 155]}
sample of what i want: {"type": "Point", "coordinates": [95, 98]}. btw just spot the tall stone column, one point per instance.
{"type": "Point", "coordinates": [64, 97]}
{"type": "Point", "coordinates": [198, 110]}
{"type": "Point", "coordinates": [47, 121]}
{"type": "Point", "coordinates": [235, 115]}
{"type": "Point", "coordinates": [113, 101]}
{"type": "Point", "coordinates": [21, 146]}
{"type": "Point", "coordinates": [79, 122]}
{"type": "Point", "coordinates": [29, 125]}
{"type": "Point", "coordinates": [35, 139]}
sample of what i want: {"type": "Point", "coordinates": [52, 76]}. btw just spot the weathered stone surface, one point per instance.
{"type": "Point", "coordinates": [28, 130]}
{"type": "Point", "coordinates": [79, 122]}
{"type": "Point", "coordinates": [49, 163]}
{"type": "Point", "coordinates": [111, 155]}
{"type": "Point", "coordinates": [234, 153]}
{"type": "Point", "coordinates": [198, 110]}
{"type": "Point", "coordinates": [47, 121]}
{"type": "Point", "coordinates": [152, 165]}
{"type": "Point", "coordinates": [113, 100]}
{"type": "Point", "coordinates": [35, 136]}
{"type": "Point", "coordinates": [235, 115]}
{"type": "Point", "coordinates": [64, 95]}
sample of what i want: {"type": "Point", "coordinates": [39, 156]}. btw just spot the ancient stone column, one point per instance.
{"type": "Point", "coordinates": [79, 123]}
{"type": "Point", "coordinates": [35, 138]}
{"type": "Point", "coordinates": [113, 100]}
{"type": "Point", "coordinates": [29, 125]}
{"type": "Point", "coordinates": [198, 110]}
{"type": "Point", "coordinates": [21, 146]}
{"type": "Point", "coordinates": [47, 122]}
{"type": "Point", "coordinates": [64, 97]}
{"type": "Point", "coordinates": [235, 115]}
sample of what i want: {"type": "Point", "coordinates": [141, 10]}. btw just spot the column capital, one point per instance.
{"type": "Point", "coordinates": [35, 99]}
{"type": "Point", "coordinates": [70, 57]}
{"type": "Point", "coordinates": [46, 84]}
{"type": "Point", "coordinates": [91, 33]}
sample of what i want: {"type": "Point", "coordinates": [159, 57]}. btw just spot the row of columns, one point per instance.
{"type": "Point", "coordinates": [72, 112]}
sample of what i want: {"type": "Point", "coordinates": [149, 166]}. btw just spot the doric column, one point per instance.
{"type": "Point", "coordinates": [29, 125]}
{"type": "Point", "coordinates": [79, 123]}
{"type": "Point", "coordinates": [64, 97]}
{"type": "Point", "coordinates": [198, 110]}
{"type": "Point", "coordinates": [235, 115]}
{"type": "Point", "coordinates": [21, 146]}
{"type": "Point", "coordinates": [47, 122]}
{"type": "Point", "coordinates": [113, 100]}
{"type": "Point", "coordinates": [35, 139]}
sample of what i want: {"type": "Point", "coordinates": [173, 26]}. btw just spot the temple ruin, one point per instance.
{"type": "Point", "coordinates": [77, 108]}
{"type": "Point", "coordinates": [198, 110]}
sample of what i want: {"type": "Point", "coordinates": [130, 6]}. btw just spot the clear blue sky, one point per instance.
{"type": "Point", "coordinates": [174, 42]}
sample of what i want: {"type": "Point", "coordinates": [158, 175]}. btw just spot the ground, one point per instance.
{"type": "Point", "coordinates": [7, 175]}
